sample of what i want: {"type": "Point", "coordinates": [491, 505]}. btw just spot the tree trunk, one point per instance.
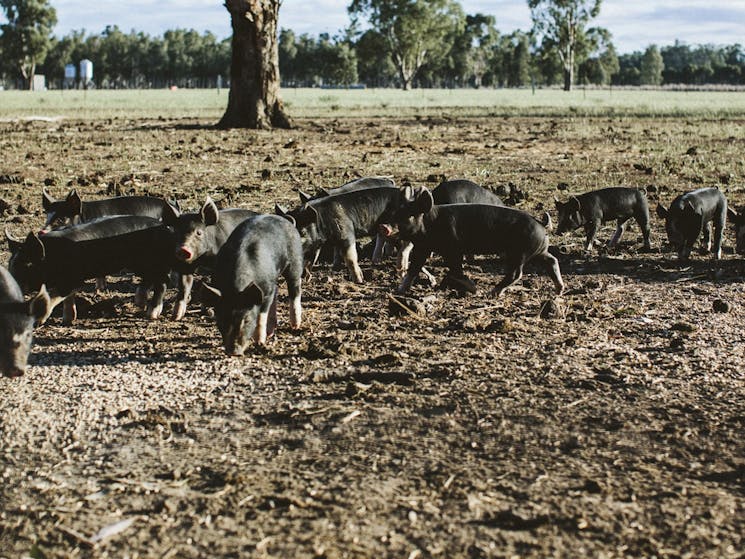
{"type": "Point", "coordinates": [568, 79]}
{"type": "Point", "coordinates": [254, 100]}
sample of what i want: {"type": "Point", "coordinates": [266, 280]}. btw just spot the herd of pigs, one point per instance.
{"type": "Point", "coordinates": [248, 252]}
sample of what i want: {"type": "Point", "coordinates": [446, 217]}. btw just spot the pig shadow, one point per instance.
{"type": "Point", "coordinates": [78, 358]}
{"type": "Point", "coordinates": [665, 269]}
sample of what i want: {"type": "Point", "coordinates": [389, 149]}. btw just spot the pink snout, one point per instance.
{"type": "Point", "coordinates": [183, 253]}
{"type": "Point", "coordinates": [386, 230]}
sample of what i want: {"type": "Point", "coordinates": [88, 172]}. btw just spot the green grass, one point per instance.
{"type": "Point", "coordinates": [310, 103]}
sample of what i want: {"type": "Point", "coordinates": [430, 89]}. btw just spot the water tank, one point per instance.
{"type": "Point", "coordinates": [69, 71]}
{"type": "Point", "coordinates": [86, 70]}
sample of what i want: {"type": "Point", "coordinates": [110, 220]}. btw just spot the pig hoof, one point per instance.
{"type": "Point", "coordinates": [154, 312]}
{"type": "Point", "coordinates": [179, 311]}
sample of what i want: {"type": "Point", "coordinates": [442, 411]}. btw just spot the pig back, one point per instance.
{"type": "Point", "coordinates": [257, 251]}
{"type": "Point", "coordinates": [486, 229]}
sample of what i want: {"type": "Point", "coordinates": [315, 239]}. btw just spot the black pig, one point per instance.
{"type": "Point", "coordinates": [692, 214]}
{"type": "Point", "coordinates": [592, 209]}
{"type": "Point", "coordinates": [17, 319]}
{"type": "Point", "coordinates": [199, 237]}
{"type": "Point", "coordinates": [244, 284]}
{"type": "Point", "coordinates": [457, 229]}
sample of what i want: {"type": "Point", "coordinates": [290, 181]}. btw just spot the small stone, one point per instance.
{"type": "Point", "coordinates": [686, 327]}
{"type": "Point", "coordinates": [718, 305]}
{"type": "Point", "coordinates": [549, 309]}
{"type": "Point", "coordinates": [677, 343]}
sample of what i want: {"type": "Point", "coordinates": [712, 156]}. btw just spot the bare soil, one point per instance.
{"type": "Point", "coordinates": [604, 423]}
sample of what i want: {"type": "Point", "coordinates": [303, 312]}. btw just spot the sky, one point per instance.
{"type": "Point", "coordinates": [635, 24]}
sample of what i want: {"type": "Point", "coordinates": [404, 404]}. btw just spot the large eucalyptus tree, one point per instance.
{"type": "Point", "coordinates": [562, 26]}
{"type": "Point", "coordinates": [27, 35]}
{"type": "Point", "coordinates": [254, 100]}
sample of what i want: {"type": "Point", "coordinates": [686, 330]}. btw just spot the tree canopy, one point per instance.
{"type": "Point", "coordinates": [415, 31]}
{"type": "Point", "coordinates": [27, 35]}
{"type": "Point", "coordinates": [562, 26]}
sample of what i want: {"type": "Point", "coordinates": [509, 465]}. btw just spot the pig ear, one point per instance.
{"type": "Point", "coordinates": [40, 306]}
{"type": "Point", "coordinates": [171, 213]}
{"type": "Point", "coordinates": [281, 212]}
{"type": "Point", "coordinates": [209, 295]}
{"type": "Point", "coordinates": [46, 200]}
{"type": "Point", "coordinates": [34, 246]}
{"type": "Point", "coordinates": [408, 193]}
{"type": "Point", "coordinates": [304, 196]}
{"type": "Point", "coordinates": [423, 202]}
{"type": "Point", "coordinates": [75, 203]}
{"type": "Point", "coordinates": [306, 216]}
{"type": "Point", "coordinates": [323, 192]}
{"type": "Point", "coordinates": [13, 244]}
{"type": "Point", "coordinates": [251, 296]}
{"type": "Point", "coordinates": [210, 214]}
{"type": "Point", "coordinates": [661, 211]}
{"type": "Point", "coordinates": [546, 220]}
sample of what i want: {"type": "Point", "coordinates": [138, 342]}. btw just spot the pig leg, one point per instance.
{"type": "Point", "coordinates": [271, 324]}
{"type": "Point", "coordinates": [719, 222]}
{"type": "Point", "coordinates": [69, 310]}
{"type": "Point", "coordinates": [293, 279]}
{"type": "Point", "coordinates": [378, 250]}
{"type": "Point", "coordinates": [514, 273]}
{"type": "Point", "coordinates": [100, 285]}
{"type": "Point", "coordinates": [454, 262]}
{"type": "Point", "coordinates": [430, 278]}
{"type": "Point", "coordinates": [642, 218]}
{"type": "Point", "coordinates": [336, 266]}
{"type": "Point", "coordinates": [403, 258]}
{"type": "Point", "coordinates": [262, 320]}
{"type": "Point", "coordinates": [591, 229]}
{"type": "Point", "coordinates": [186, 282]}
{"type": "Point", "coordinates": [706, 239]}
{"type": "Point", "coordinates": [141, 295]}
{"type": "Point", "coordinates": [155, 308]}
{"type": "Point", "coordinates": [620, 228]}
{"type": "Point", "coordinates": [350, 257]}
{"type": "Point", "coordinates": [554, 272]}
{"type": "Point", "coordinates": [54, 301]}
{"type": "Point", "coordinates": [684, 252]}
{"type": "Point", "coordinates": [418, 258]}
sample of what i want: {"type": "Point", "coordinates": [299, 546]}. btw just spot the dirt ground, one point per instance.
{"type": "Point", "coordinates": [604, 423]}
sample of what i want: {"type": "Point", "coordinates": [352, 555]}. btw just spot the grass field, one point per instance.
{"type": "Point", "coordinates": [308, 103]}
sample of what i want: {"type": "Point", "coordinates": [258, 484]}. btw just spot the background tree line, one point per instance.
{"type": "Point", "coordinates": [403, 43]}
{"type": "Point", "coordinates": [180, 57]}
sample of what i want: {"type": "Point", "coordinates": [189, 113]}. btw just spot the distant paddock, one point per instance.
{"type": "Point", "coordinates": [313, 103]}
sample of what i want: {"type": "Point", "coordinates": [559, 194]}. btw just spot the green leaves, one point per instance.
{"type": "Point", "coordinates": [27, 36]}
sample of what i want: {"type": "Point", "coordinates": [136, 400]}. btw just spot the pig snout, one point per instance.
{"type": "Point", "coordinates": [183, 253]}
{"type": "Point", "coordinates": [386, 230]}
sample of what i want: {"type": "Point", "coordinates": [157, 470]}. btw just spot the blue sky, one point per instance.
{"type": "Point", "coordinates": [634, 23]}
